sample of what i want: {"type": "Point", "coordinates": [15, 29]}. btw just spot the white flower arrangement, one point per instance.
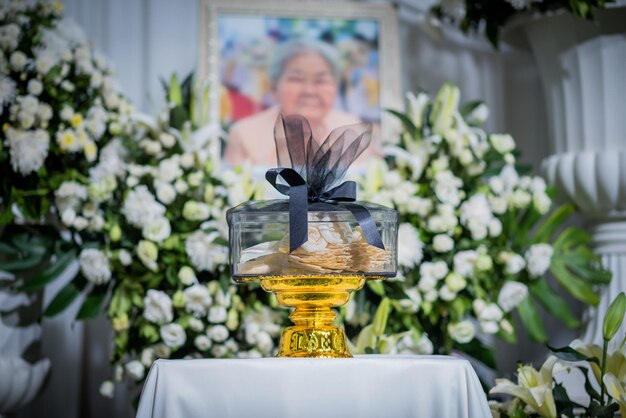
{"type": "Point", "coordinates": [472, 250]}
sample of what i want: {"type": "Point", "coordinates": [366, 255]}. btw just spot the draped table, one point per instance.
{"type": "Point", "coordinates": [364, 386]}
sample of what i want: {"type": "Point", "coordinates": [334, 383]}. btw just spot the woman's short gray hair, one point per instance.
{"type": "Point", "coordinates": [290, 49]}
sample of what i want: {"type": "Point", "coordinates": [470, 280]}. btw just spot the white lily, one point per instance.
{"type": "Point", "coordinates": [446, 103]}
{"type": "Point", "coordinates": [534, 388]}
{"type": "Point", "coordinates": [416, 107]}
{"type": "Point", "coordinates": [416, 160]}
{"type": "Point", "coordinates": [615, 388]}
{"type": "Point", "coordinates": [615, 361]}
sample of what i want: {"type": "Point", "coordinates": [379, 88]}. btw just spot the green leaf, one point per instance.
{"type": "Point", "coordinates": [376, 287]}
{"type": "Point", "coordinates": [553, 223]}
{"type": "Point", "coordinates": [593, 393]}
{"type": "Point", "coordinates": [563, 403]}
{"type": "Point", "coordinates": [574, 285]}
{"type": "Point", "coordinates": [50, 273]}
{"type": "Point", "coordinates": [7, 249]}
{"type": "Point", "coordinates": [381, 317]}
{"type": "Point", "coordinates": [120, 302]}
{"type": "Point", "coordinates": [6, 215]}
{"type": "Point", "coordinates": [178, 117]}
{"type": "Point", "coordinates": [570, 237]}
{"type": "Point", "coordinates": [567, 353]}
{"type": "Point", "coordinates": [409, 126]}
{"type": "Point", "coordinates": [30, 262]}
{"type": "Point", "coordinates": [531, 319]}
{"type": "Point", "coordinates": [552, 302]}
{"type": "Point", "coordinates": [174, 93]}
{"type": "Point", "coordinates": [91, 306]}
{"type": "Point", "coordinates": [62, 300]}
{"type": "Point", "coordinates": [469, 107]}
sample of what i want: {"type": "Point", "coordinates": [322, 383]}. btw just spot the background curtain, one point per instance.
{"type": "Point", "coordinates": [149, 39]}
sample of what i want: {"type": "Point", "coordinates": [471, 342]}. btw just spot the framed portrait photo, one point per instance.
{"type": "Point", "coordinates": [336, 64]}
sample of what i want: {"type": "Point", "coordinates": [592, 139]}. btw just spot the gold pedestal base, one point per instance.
{"type": "Point", "coordinates": [313, 297]}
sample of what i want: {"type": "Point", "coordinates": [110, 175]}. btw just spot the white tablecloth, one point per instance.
{"type": "Point", "coordinates": [364, 386]}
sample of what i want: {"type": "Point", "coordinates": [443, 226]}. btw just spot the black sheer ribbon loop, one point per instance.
{"type": "Point", "coordinates": [299, 197]}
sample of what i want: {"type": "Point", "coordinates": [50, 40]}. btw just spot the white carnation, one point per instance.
{"type": "Point", "coordinates": [7, 90]}
{"type": "Point", "coordinates": [187, 276]}
{"type": "Point", "coordinates": [443, 243]}
{"type": "Point", "coordinates": [28, 149]}
{"type": "Point", "coordinates": [511, 294]}
{"type": "Point", "coordinates": [94, 265]}
{"type": "Point", "coordinates": [514, 263]}
{"type": "Point", "coordinates": [140, 207]}
{"type": "Point", "coordinates": [203, 253]}
{"type": "Point", "coordinates": [538, 258]}
{"type": "Point", "coordinates": [165, 192]}
{"type": "Point", "coordinates": [409, 246]}
{"type": "Point", "coordinates": [197, 299]}
{"type": "Point", "coordinates": [464, 262]}
{"type": "Point", "coordinates": [135, 370]}
{"type": "Point", "coordinates": [35, 87]}
{"type": "Point", "coordinates": [476, 216]}
{"type": "Point", "coordinates": [169, 170]}
{"type": "Point", "coordinates": [447, 187]}
{"type": "Point", "coordinates": [173, 335]}
{"type": "Point", "coordinates": [157, 307]}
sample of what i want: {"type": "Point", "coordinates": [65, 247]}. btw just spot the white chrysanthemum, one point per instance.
{"type": "Point", "coordinates": [197, 299]}
{"type": "Point", "coordinates": [140, 207]}
{"type": "Point", "coordinates": [511, 294]}
{"type": "Point", "coordinates": [135, 370]}
{"type": "Point", "coordinates": [409, 246]}
{"type": "Point", "coordinates": [28, 149]}
{"type": "Point", "coordinates": [203, 253]}
{"type": "Point", "coordinates": [157, 230]}
{"type": "Point", "coordinates": [94, 265]}
{"type": "Point", "coordinates": [157, 307]}
{"type": "Point", "coordinates": [538, 258]}
{"type": "Point", "coordinates": [173, 335]}
{"type": "Point", "coordinates": [462, 332]}
{"type": "Point", "coordinates": [464, 262]}
{"type": "Point", "coordinates": [7, 90]}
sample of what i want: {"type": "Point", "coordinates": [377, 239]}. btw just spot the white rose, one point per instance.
{"type": "Point", "coordinates": [218, 333]}
{"type": "Point", "coordinates": [196, 324]}
{"type": "Point", "coordinates": [107, 389]}
{"type": "Point", "coordinates": [511, 294]}
{"type": "Point", "coordinates": [462, 332]}
{"type": "Point", "coordinates": [80, 223]}
{"type": "Point", "coordinates": [202, 342]}
{"type": "Point", "coordinates": [135, 370]}
{"type": "Point", "coordinates": [219, 351]}
{"type": "Point", "coordinates": [217, 314]}
{"type": "Point", "coordinates": [187, 160]}
{"type": "Point", "coordinates": [157, 230]}
{"type": "Point", "coordinates": [431, 295]}
{"type": "Point", "coordinates": [455, 282]}
{"type": "Point", "coordinates": [427, 283]}
{"type": "Point", "coordinates": [169, 170]}
{"type": "Point", "coordinates": [181, 186]}
{"type": "Point", "coordinates": [503, 143]}
{"type": "Point", "coordinates": [157, 307]}
{"type": "Point", "coordinates": [539, 257]}
{"type": "Point", "coordinates": [443, 243]}
{"type": "Point", "coordinates": [162, 351]}
{"type": "Point", "coordinates": [187, 276]}
{"type": "Point", "coordinates": [68, 216]}
{"type": "Point", "coordinates": [491, 312]}
{"type": "Point", "coordinates": [94, 265]}
{"type": "Point", "coordinates": [165, 192]}
{"type": "Point", "coordinates": [173, 335]}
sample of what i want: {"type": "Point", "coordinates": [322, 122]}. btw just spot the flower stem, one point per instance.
{"type": "Point", "coordinates": [605, 347]}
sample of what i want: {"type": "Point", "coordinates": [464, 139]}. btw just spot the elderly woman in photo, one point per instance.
{"type": "Point", "coordinates": [304, 75]}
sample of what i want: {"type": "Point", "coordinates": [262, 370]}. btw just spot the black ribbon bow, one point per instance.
{"type": "Point", "coordinates": [315, 169]}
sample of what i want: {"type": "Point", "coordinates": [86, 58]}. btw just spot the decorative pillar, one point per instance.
{"type": "Point", "coordinates": [582, 69]}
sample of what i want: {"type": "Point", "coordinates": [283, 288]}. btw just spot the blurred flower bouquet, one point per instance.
{"type": "Point", "coordinates": [475, 239]}
{"type": "Point", "coordinates": [537, 393]}
{"type": "Point", "coordinates": [491, 16]}
{"type": "Point", "coordinates": [59, 112]}
{"type": "Point", "coordinates": [160, 265]}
